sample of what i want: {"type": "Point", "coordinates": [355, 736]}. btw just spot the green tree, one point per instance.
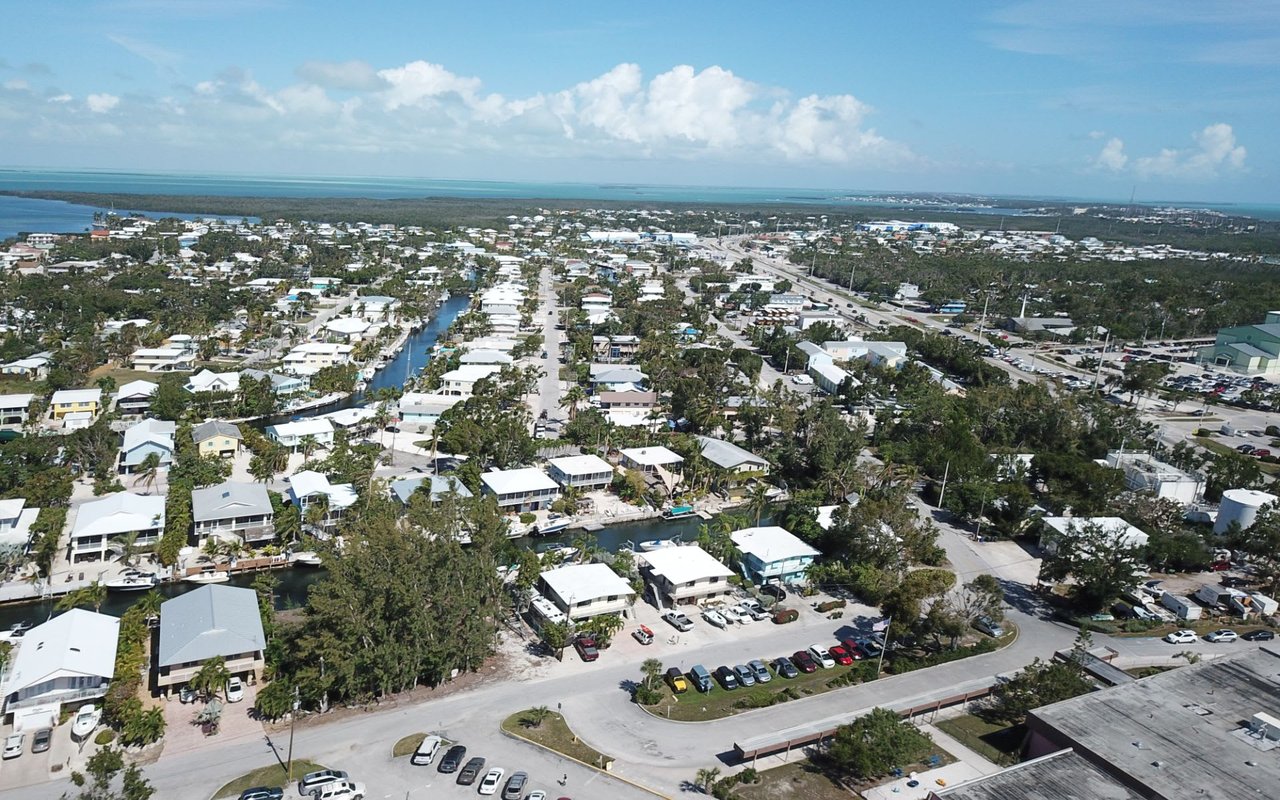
{"type": "Point", "coordinates": [1099, 562]}
{"type": "Point", "coordinates": [534, 717]}
{"type": "Point", "coordinates": [99, 780]}
{"type": "Point", "coordinates": [95, 594]}
{"type": "Point", "coordinates": [873, 744]}
{"type": "Point", "coordinates": [706, 778]}
{"type": "Point", "coordinates": [555, 635]}
{"type": "Point", "coordinates": [1038, 684]}
{"type": "Point", "coordinates": [652, 669]}
{"type": "Point", "coordinates": [171, 398]}
{"type": "Point", "coordinates": [211, 679]}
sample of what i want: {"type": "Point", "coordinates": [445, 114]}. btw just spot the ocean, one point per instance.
{"type": "Point", "coordinates": [45, 216]}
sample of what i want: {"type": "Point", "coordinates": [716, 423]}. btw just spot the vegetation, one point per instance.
{"type": "Point", "coordinates": [273, 775]}
{"type": "Point", "coordinates": [554, 734]}
{"type": "Point", "coordinates": [123, 707]}
{"type": "Point", "coordinates": [873, 744]}
{"type": "Point", "coordinates": [108, 777]}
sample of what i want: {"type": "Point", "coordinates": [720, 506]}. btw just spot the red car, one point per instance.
{"type": "Point", "coordinates": [804, 662]}
{"type": "Point", "coordinates": [841, 655]}
{"type": "Point", "coordinates": [1261, 452]}
{"type": "Point", "coordinates": [586, 647]}
{"type": "Point", "coordinates": [851, 647]}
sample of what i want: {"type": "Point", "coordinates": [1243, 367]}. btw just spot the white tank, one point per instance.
{"type": "Point", "coordinates": [1240, 505]}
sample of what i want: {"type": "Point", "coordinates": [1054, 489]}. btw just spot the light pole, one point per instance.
{"type": "Point", "coordinates": [293, 719]}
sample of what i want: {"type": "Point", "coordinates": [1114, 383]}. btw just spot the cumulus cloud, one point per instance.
{"type": "Point", "coordinates": [419, 82]}
{"type": "Point", "coordinates": [1112, 156]}
{"type": "Point", "coordinates": [355, 76]}
{"type": "Point", "coordinates": [101, 103]}
{"type": "Point", "coordinates": [1215, 150]}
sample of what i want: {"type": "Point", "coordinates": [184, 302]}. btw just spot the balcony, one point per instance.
{"type": "Point", "coordinates": [69, 696]}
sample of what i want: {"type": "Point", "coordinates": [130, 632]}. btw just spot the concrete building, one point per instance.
{"type": "Point", "coordinates": [66, 661]}
{"type": "Point", "coordinates": [216, 438]}
{"type": "Point", "coordinates": [1064, 775]}
{"type": "Point", "coordinates": [210, 622]}
{"type": "Point", "coordinates": [1247, 349]}
{"type": "Point", "coordinates": [773, 554]}
{"type": "Point", "coordinates": [233, 510]}
{"type": "Point", "coordinates": [520, 489]}
{"type": "Point", "coordinates": [1142, 473]}
{"type": "Point", "coordinates": [682, 575]}
{"type": "Point", "coordinates": [120, 514]}
{"type": "Point", "coordinates": [581, 472]}
{"type": "Point", "coordinates": [14, 408]}
{"type": "Point", "coordinates": [582, 591]}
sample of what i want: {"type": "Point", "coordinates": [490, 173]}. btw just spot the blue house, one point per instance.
{"type": "Point", "coordinates": [952, 307]}
{"type": "Point", "coordinates": [151, 436]}
{"type": "Point", "coordinates": [773, 554]}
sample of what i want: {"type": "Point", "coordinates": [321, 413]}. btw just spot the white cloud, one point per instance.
{"type": "Point", "coordinates": [1216, 150]}
{"type": "Point", "coordinates": [17, 85]}
{"type": "Point", "coordinates": [355, 76]}
{"type": "Point", "coordinates": [101, 103]}
{"type": "Point", "coordinates": [61, 98]}
{"type": "Point", "coordinates": [418, 81]}
{"type": "Point", "coordinates": [1112, 156]}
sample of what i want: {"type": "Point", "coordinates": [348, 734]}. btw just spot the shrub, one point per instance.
{"type": "Point", "coordinates": [1272, 430]}
{"type": "Point", "coordinates": [784, 615]}
{"type": "Point", "coordinates": [896, 665]}
{"type": "Point", "coordinates": [646, 696]}
{"type": "Point", "coordinates": [528, 518]}
{"type": "Point", "coordinates": [1204, 432]}
{"type": "Point", "coordinates": [830, 605]}
{"type": "Point", "coordinates": [104, 737]}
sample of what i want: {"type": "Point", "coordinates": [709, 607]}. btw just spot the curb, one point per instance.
{"type": "Point", "coordinates": [592, 767]}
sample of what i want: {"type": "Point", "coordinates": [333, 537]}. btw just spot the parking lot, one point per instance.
{"type": "Point", "coordinates": [63, 756]}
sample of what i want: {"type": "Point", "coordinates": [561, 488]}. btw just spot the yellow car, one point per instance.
{"type": "Point", "coordinates": [676, 679]}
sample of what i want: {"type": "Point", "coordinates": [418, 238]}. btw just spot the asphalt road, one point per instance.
{"type": "Point", "coordinates": [546, 396]}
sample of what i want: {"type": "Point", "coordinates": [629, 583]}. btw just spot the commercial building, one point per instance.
{"type": "Point", "coordinates": [681, 575]}
{"type": "Point", "coordinates": [773, 554]}
{"type": "Point", "coordinates": [520, 489]}
{"type": "Point", "coordinates": [1116, 528]}
{"type": "Point", "coordinates": [581, 591]}
{"type": "Point", "coordinates": [1142, 473]}
{"type": "Point", "coordinates": [210, 622]}
{"type": "Point", "coordinates": [1247, 349]}
{"type": "Point", "coordinates": [581, 472]}
{"type": "Point", "coordinates": [68, 660]}
{"type": "Point", "coordinates": [1064, 775]}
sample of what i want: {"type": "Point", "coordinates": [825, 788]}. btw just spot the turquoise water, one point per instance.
{"type": "Point", "coordinates": [29, 215]}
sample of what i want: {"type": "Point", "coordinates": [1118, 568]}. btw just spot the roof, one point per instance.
{"type": "Point", "coordinates": [78, 642]}
{"type": "Point", "coordinates": [1122, 530]}
{"type": "Point", "coordinates": [1064, 775]}
{"type": "Point", "coordinates": [727, 454]}
{"type": "Point", "coordinates": [67, 396]}
{"type": "Point", "coordinates": [309, 482]}
{"type": "Point", "coordinates": [1246, 349]}
{"type": "Point", "coordinates": [772, 543]}
{"type": "Point", "coordinates": [579, 583]}
{"type": "Point", "coordinates": [16, 400]}
{"type": "Point", "coordinates": [1182, 733]}
{"type": "Point", "coordinates": [303, 427]}
{"type": "Point", "coordinates": [470, 373]}
{"type": "Point", "coordinates": [581, 465]}
{"type": "Point", "coordinates": [210, 621]}
{"type": "Point", "coordinates": [229, 499]}
{"type": "Point", "coordinates": [404, 488]}
{"type": "Point", "coordinates": [512, 481]}
{"type": "Point", "coordinates": [347, 325]}
{"type": "Point", "coordinates": [685, 564]}
{"type": "Point", "coordinates": [651, 456]}
{"type": "Point", "coordinates": [212, 428]}
{"type": "Point", "coordinates": [137, 389]}
{"type": "Point", "coordinates": [630, 396]}
{"type": "Point", "coordinates": [123, 512]}
{"type": "Point", "coordinates": [619, 376]}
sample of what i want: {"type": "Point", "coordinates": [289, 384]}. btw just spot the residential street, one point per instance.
{"type": "Point", "coordinates": [546, 396]}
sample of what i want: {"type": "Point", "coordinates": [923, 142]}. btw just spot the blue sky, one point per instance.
{"type": "Point", "coordinates": [1168, 99]}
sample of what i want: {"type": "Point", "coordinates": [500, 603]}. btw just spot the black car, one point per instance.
{"type": "Point", "coordinates": [471, 771]}
{"type": "Point", "coordinates": [785, 668]}
{"type": "Point", "coordinates": [452, 759]}
{"type": "Point", "coordinates": [773, 590]}
{"type": "Point", "coordinates": [262, 793]}
{"type": "Point", "coordinates": [727, 677]}
{"type": "Point", "coordinates": [1260, 635]}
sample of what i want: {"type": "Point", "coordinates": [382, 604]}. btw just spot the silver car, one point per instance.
{"type": "Point", "coordinates": [761, 671]}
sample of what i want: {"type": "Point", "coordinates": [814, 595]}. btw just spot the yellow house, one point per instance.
{"type": "Point", "coordinates": [217, 439]}
{"type": "Point", "coordinates": [68, 401]}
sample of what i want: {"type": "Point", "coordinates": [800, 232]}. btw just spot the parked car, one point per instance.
{"type": "Point", "coordinates": [262, 793]}
{"type": "Point", "coordinates": [1261, 452]}
{"type": "Point", "coordinates": [426, 752]}
{"type": "Point", "coordinates": [854, 648]}
{"type": "Point", "coordinates": [514, 790]}
{"type": "Point", "coordinates": [678, 620]}
{"type": "Point", "coordinates": [13, 745]}
{"type": "Point", "coordinates": [452, 759]}
{"type": "Point", "coordinates": [187, 695]}
{"type": "Point", "coordinates": [760, 671]}
{"type": "Point", "coordinates": [676, 680]}
{"type": "Point", "coordinates": [746, 675]}
{"type": "Point", "coordinates": [700, 677]}
{"type": "Point", "coordinates": [1223, 635]}
{"type": "Point", "coordinates": [1260, 635]}
{"type": "Point", "coordinates": [785, 667]}
{"type": "Point", "coordinates": [586, 647]}
{"type": "Point", "coordinates": [988, 626]}
{"type": "Point", "coordinates": [537, 794]}
{"type": "Point", "coordinates": [752, 606]}
{"type": "Point", "coordinates": [1245, 448]}
{"type": "Point", "coordinates": [774, 590]}
{"type": "Point", "coordinates": [470, 771]}
{"type": "Point", "coordinates": [41, 741]}
{"type": "Point", "coordinates": [1182, 637]}
{"type": "Point", "coordinates": [491, 781]}
{"type": "Point", "coordinates": [727, 677]}
{"type": "Point", "coordinates": [715, 618]}
{"type": "Point", "coordinates": [821, 656]}
{"type": "Point", "coordinates": [314, 780]}
{"type": "Point", "coordinates": [235, 690]}
{"type": "Point", "coordinates": [803, 661]}
{"type": "Point", "coordinates": [841, 656]}
{"type": "Point", "coordinates": [732, 614]}
{"type": "Point", "coordinates": [643, 635]}
{"type": "Point", "coordinates": [339, 790]}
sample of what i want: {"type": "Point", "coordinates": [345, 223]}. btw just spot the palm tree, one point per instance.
{"type": "Point", "coordinates": [95, 594]}
{"type": "Point", "coordinates": [148, 471]}
{"type": "Point", "coordinates": [128, 547]}
{"type": "Point", "coordinates": [759, 501]}
{"type": "Point", "coordinates": [149, 603]}
{"type": "Point", "coordinates": [211, 679]}
{"type": "Point", "coordinates": [317, 511]}
{"type": "Point", "coordinates": [573, 398]}
{"type": "Point", "coordinates": [534, 717]}
{"type": "Point", "coordinates": [652, 669]}
{"type": "Point", "coordinates": [707, 778]}
{"type": "Point", "coordinates": [308, 445]}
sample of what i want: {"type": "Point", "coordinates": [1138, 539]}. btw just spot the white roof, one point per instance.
{"type": "Point", "coordinates": [1120, 529]}
{"type": "Point", "coordinates": [123, 512]}
{"type": "Point", "coordinates": [150, 430]}
{"type": "Point", "coordinates": [347, 325]}
{"type": "Point", "coordinates": [581, 465]}
{"type": "Point", "coordinates": [771, 543]}
{"type": "Point", "coordinates": [314, 426]}
{"type": "Point", "coordinates": [78, 642]}
{"type": "Point", "coordinates": [309, 482]}
{"type": "Point", "coordinates": [322, 348]}
{"type": "Point", "coordinates": [685, 564]}
{"type": "Point", "coordinates": [137, 389]}
{"type": "Point", "coordinates": [486, 357]}
{"type": "Point", "coordinates": [470, 373]}
{"type": "Point", "coordinates": [75, 396]}
{"type": "Point", "coordinates": [10, 509]}
{"type": "Point", "coordinates": [513, 481]}
{"type": "Point", "coordinates": [16, 400]}
{"type": "Point", "coordinates": [652, 456]}
{"type": "Point", "coordinates": [578, 583]}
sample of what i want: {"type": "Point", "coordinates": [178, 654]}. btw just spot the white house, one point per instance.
{"type": "Point", "coordinates": [377, 308]}
{"type": "Point", "coordinates": [685, 574]}
{"type": "Point", "coordinates": [292, 434]}
{"type": "Point", "coordinates": [162, 359]}
{"type": "Point", "coordinates": [310, 357]}
{"type": "Point", "coordinates": [651, 459]}
{"type": "Point", "coordinates": [118, 514]}
{"type": "Point", "coordinates": [306, 488]}
{"type": "Point", "coordinates": [520, 489]}
{"type": "Point", "coordinates": [66, 661]}
{"type": "Point", "coordinates": [773, 553]}
{"type": "Point", "coordinates": [134, 398]}
{"type": "Point", "coordinates": [209, 381]}
{"type": "Point", "coordinates": [148, 437]}
{"type": "Point", "coordinates": [14, 408]}
{"type": "Point", "coordinates": [1114, 527]}
{"type": "Point", "coordinates": [581, 591]}
{"type": "Point", "coordinates": [231, 509]}
{"type": "Point", "coordinates": [582, 472]}
{"type": "Point", "coordinates": [486, 357]}
{"type": "Point", "coordinates": [349, 329]}
{"type": "Point", "coordinates": [15, 522]}
{"type": "Point", "coordinates": [421, 408]}
{"type": "Point", "coordinates": [462, 381]}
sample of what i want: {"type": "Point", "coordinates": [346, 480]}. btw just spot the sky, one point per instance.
{"type": "Point", "coordinates": [1158, 99]}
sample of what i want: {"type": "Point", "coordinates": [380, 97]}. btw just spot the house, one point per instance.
{"type": "Point", "coordinates": [120, 514]}
{"type": "Point", "coordinates": [357, 421]}
{"type": "Point", "coordinates": [14, 408]}
{"type": "Point", "coordinates": [828, 377]}
{"type": "Point", "coordinates": [210, 622]}
{"type": "Point", "coordinates": [685, 574]}
{"type": "Point", "coordinates": [33, 368]}
{"type": "Point", "coordinates": [15, 523]}
{"type": "Point", "coordinates": [628, 400]}
{"type": "Point", "coordinates": [309, 488]}
{"type": "Point", "coordinates": [461, 381]}
{"type": "Point", "coordinates": [1116, 528]}
{"type": "Point", "coordinates": [615, 348]}
{"type": "Point", "coordinates": [294, 435]}
{"type": "Point", "coordinates": [773, 554]}
{"type": "Point", "coordinates": [377, 308]}
{"type": "Point", "coordinates": [282, 385]}
{"type": "Point", "coordinates": [730, 458]}
{"type": "Point", "coordinates": [216, 438]}
{"type": "Point", "coordinates": [148, 437]}
{"type": "Point", "coordinates": [520, 489]}
{"type": "Point", "coordinates": [620, 379]}
{"type": "Point", "coordinates": [209, 381]}
{"type": "Point", "coordinates": [71, 401]}
{"type": "Point", "coordinates": [67, 660]}
{"type": "Point", "coordinates": [311, 357]}
{"type": "Point", "coordinates": [486, 357]}
{"type": "Point", "coordinates": [582, 591]}
{"type": "Point", "coordinates": [347, 329]}
{"type": "Point", "coordinates": [162, 359]}
{"type": "Point", "coordinates": [233, 509]}
{"type": "Point", "coordinates": [650, 460]}
{"type": "Point", "coordinates": [437, 487]}
{"type": "Point", "coordinates": [134, 398]}
{"type": "Point", "coordinates": [420, 408]}
{"type": "Point", "coordinates": [581, 472]}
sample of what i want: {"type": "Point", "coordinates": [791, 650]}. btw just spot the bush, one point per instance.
{"type": "Point", "coordinates": [784, 615]}
{"type": "Point", "coordinates": [830, 605]}
{"type": "Point", "coordinates": [1272, 430]}
{"type": "Point", "coordinates": [1205, 432]}
{"type": "Point", "coordinates": [528, 518]}
{"type": "Point", "coordinates": [646, 696]}
{"type": "Point", "coordinates": [896, 665]}
{"type": "Point", "coordinates": [104, 737]}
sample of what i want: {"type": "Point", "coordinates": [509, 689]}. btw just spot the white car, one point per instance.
{"type": "Point", "coordinates": [1223, 635]}
{"type": "Point", "coordinates": [734, 614]}
{"type": "Point", "coordinates": [537, 794]}
{"type": "Point", "coordinates": [235, 690]}
{"type": "Point", "coordinates": [1182, 637]}
{"type": "Point", "coordinates": [754, 608]}
{"type": "Point", "coordinates": [426, 752]}
{"type": "Point", "coordinates": [13, 745]}
{"type": "Point", "coordinates": [802, 380]}
{"type": "Point", "coordinates": [491, 781]}
{"type": "Point", "coordinates": [744, 613]}
{"type": "Point", "coordinates": [715, 618]}
{"type": "Point", "coordinates": [822, 656]}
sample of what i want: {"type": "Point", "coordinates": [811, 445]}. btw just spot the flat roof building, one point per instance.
{"type": "Point", "coordinates": [1064, 775]}
{"type": "Point", "coordinates": [520, 489]}
{"type": "Point", "coordinates": [582, 472]}
{"type": "Point", "coordinates": [581, 591]}
{"type": "Point", "coordinates": [685, 574]}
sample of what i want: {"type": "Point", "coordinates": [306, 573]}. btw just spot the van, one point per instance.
{"type": "Point", "coordinates": [701, 678]}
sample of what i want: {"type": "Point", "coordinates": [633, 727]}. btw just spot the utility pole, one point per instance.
{"type": "Point", "coordinates": [943, 492]}
{"type": "Point", "coordinates": [293, 720]}
{"type": "Point", "coordinates": [880, 664]}
{"type": "Point", "coordinates": [1101, 356]}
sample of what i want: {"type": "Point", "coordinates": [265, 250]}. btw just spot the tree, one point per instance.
{"type": "Point", "coordinates": [534, 717]}
{"type": "Point", "coordinates": [1099, 561]}
{"type": "Point", "coordinates": [555, 635]}
{"type": "Point", "coordinates": [171, 398]}
{"type": "Point", "coordinates": [148, 471]}
{"type": "Point", "coordinates": [652, 669]}
{"type": "Point", "coordinates": [128, 545]}
{"type": "Point", "coordinates": [98, 782]}
{"type": "Point", "coordinates": [211, 679]}
{"type": "Point", "coordinates": [1261, 546]}
{"type": "Point", "coordinates": [1231, 471]}
{"type": "Point", "coordinates": [873, 744]}
{"type": "Point", "coordinates": [707, 778]}
{"type": "Point", "coordinates": [1038, 684]}
{"type": "Point", "coordinates": [95, 594]}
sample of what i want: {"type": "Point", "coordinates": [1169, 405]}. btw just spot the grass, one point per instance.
{"type": "Point", "coordinates": [407, 745]}
{"type": "Point", "coordinates": [273, 775]}
{"type": "Point", "coordinates": [800, 780]}
{"type": "Point", "coordinates": [694, 706]}
{"type": "Point", "coordinates": [554, 734]}
{"type": "Point", "coordinates": [1220, 448]}
{"type": "Point", "coordinates": [998, 743]}
{"type": "Point", "coordinates": [123, 376]}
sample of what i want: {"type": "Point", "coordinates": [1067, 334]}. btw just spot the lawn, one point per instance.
{"type": "Point", "coordinates": [554, 734]}
{"type": "Point", "coordinates": [694, 706]}
{"type": "Point", "coordinates": [407, 745]}
{"type": "Point", "coordinates": [999, 744]}
{"type": "Point", "coordinates": [1219, 447]}
{"type": "Point", "coordinates": [122, 376]}
{"type": "Point", "coordinates": [273, 775]}
{"type": "Point", "coordinates": [798, 781]}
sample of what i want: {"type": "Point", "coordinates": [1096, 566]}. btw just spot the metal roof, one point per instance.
{"type": "Point", "coordinates": [208, 622]}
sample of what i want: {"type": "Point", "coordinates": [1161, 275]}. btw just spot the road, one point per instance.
{"type": "Point", "coordinates": [546, 397]}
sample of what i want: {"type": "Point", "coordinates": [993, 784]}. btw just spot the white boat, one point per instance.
{"type": "Point", "coordinates": [650, 545]}
{"type": "Point", "coordinates": [307, 559]}
{"type": "Point", "coordinates": [132, 581]}
{"type": "Point", "coordinates": [17, 629]}
{"type": "Point", "coordinates": [208, 575]}
{"type": "Point", "coordinates": [554, 526]}
{"type": "Point", "coordinates": [85, 721]}
{"type": "Point", "coordinates": [566, 553]}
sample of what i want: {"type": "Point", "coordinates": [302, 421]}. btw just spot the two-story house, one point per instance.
{"type": "Point", "coordinates": [520, 489]}
{"type": "Point", "coordinates": [210, 622]}
{"type": "Point", "coordinates": [64, 661]}
{"type": "Point", "coordinates": [134, 398]}
{"type": "Point", "coordinates": [14, 408]}
{"type": "Point", "coordinates": [772, 554]}
{"type": "Point", "coordinates": [162, 359]}
{"type": "Point", "coordinates": [581, 472]}
{"type": "Point", "coordinates": [216, 438]}
{"type": "Point", "coordinates": [462, 381]}
{"type": "Point", "coordinates": [231, 509]}
{"type": "Point", "coordinates": [581, 591]}
{"type": "Point", "coordinates": [308, 489]}
{"type": "Point", "coordinates": [146, 438]}
{"type": "Point", "coordinates": [75, 401]}
{"type": "Point", "coordinates": [687, 574]}
{"type": "Point", "coordinates": [100, 521]}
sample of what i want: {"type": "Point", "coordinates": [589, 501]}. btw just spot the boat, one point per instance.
{"type": "Point", "coordinates": [17, 629]}
{"type": "Point", "coordinates": [85, 721]}
{"type": "Point", "coordinates": [553, 525]}
{"type": "Point", "coordinates": [566, 553]}
{"type": "Point", "coordinates": [132, 580]}
{"type": "Point", "coordinates": [208, 575]}
{"type": "Point", "coordinates": [649, 545]}
{"type": "Point", "coordinates": [678, 512]}
{"type": "Point", "coordinates": [307, 559]}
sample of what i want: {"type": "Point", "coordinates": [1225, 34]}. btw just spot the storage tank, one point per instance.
{"type": "Point", "coordinates": [1240, 505]}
